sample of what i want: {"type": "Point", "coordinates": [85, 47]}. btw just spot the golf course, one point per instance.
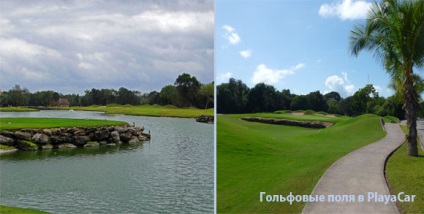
{"type": "Point", "coordinates": [256, 157]}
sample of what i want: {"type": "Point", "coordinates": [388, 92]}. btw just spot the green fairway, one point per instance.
{"type": "Point", "coordinates": [19, 123]}
{"type": "Point", "coordinates": [16, 109]}
{"type": "Point", "coordinates": [256, 157]}
{"type": "Point", "coordinates": [406, 174]}
{"type": "Point", "coordinates": [15, 210]}
{"type": "Point", "coordinates": [149, 110]}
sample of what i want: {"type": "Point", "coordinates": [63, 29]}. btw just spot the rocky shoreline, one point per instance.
{"type": "Point", "coordinates": [305, 124]}
{"type": "Point", "coordinates": [58, 138]}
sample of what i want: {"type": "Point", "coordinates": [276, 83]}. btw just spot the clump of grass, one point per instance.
{"type": "Point", "coordinates": [309, 112]}
{"type": "Point", "coordinates": [282, 112]}
{"type": "Point", "coordinates": [391, 119]}
{"type": "Point", "coordinates": [15, 210]}
{"type": "Point", "coordinates": [4, 147]}
{"type": "Point", "coordinates": [322, 112]}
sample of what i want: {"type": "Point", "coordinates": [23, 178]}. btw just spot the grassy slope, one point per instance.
{"type": "Point", "coordinates": [13, 210]}
{"type": "Point", "coordinates": [406, 174]}
{"type": "Point", "coordinates": [19, 123]}
{"type": "Point", "coordinates": [149, 110]}
{"type": "Point", "coordinates": [256, 157]}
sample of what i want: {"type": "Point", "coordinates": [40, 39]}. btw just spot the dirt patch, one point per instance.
{"type": "Point", "coordinates": [306, 124]}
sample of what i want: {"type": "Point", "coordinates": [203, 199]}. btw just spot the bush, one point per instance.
{"type": "Point", "coordinates": [309, 112]}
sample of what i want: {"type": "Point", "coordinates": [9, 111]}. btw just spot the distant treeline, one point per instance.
{"type": "Point", "coordinates": [236, 97]}
{"type": "Point", "coordinates": [186, 91]}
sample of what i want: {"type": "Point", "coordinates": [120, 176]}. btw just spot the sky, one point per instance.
{"type": "Point", "coordinates": [298, 45]}
{"type": "Point", "coordinates": [71, 46]}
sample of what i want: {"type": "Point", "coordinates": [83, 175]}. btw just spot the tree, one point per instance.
{"type": "Point", "coordinates": [262, 98]}
{"type": "Point", "coordinates": [232, 97]}
{"type": "Point", "coordinates": [207, 91]}
{"type": "Point", "coordinates": [316, 101]}
{"type": "Point", "coordinates": [300, 102]}
{"type": "Point", "coordinates": [18, 96]}
{"type": "Point", "coordinates": [169, 96]}
{"type": "Point", "coordinates": [187, 87]}
{"type": "Point", "coordinates": [394, 32]}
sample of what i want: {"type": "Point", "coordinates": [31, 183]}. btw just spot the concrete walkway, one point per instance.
{"type": "Point", "coordinates": [358, 173]}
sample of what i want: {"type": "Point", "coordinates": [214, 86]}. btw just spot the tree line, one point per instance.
{"type": "Point", "coordinates": [236, 97]}
{"type": "Point", "coordinates": [186, 91]}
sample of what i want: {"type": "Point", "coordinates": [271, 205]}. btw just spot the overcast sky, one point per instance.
{"type": "Point", "coordinates": [298, 45]}
{"type": "Point", "coordinates": [73, 45]}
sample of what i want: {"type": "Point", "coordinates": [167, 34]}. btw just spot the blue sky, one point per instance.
{"type": "Point", "coordinates": [298, 45]}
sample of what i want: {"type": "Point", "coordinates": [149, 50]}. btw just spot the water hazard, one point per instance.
{"type": "Point", "coordinates": [171, 173]}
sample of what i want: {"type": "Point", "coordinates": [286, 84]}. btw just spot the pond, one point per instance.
{"type": "Point", "coordinates": [171, 173]}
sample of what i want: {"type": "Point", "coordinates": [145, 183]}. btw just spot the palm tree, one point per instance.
{"type": "Point", "coordinates": [394, 33]}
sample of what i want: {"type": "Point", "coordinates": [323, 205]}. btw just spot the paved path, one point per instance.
{"type": "Point", "coordinates": [358, 173]}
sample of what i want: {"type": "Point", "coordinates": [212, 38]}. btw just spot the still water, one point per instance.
{"type": "Point", "coordinates": [171, 173]}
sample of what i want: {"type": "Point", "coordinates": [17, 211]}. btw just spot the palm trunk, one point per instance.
{"type": "Point", "coordinates": [411, 108]}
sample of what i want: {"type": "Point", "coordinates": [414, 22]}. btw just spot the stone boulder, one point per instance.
{"type": "Point", "coordinates": [80, 140]}
{"type": "Point", "coordinates": [25, 145]}
{"type": "Point", "coordinates": [102, 134]}
{"type": "Point", "coordinates": [40, 139]}
{"type": "Point", "coordinates": [125, 137]}
{"type": "Point", "coordinates": [115, 136]}
{"type": "Point", "coordinates": [7, 141]}
{"type": "Point", "coordinates": [23, 135]}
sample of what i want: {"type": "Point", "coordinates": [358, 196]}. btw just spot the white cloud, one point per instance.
{"type": "Point", "coordinates": [346, 9]}
{"type": "Point", "coordinates": [336, 83]}
{"type": "Point", "coordinates": [224, 77]}
{"type": "Point", "coordinates": [266, 75]}
{"type": "Point", "coordinates": [246, 54]}
{"type": "Point", "coordinates": [143, 45]}
{"type": "Point", "coordinates": [232, 37]}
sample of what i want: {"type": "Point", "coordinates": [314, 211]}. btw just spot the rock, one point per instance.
{"type": "Point", "coordinates": [103, 142]}
{"type": "Point", "coordinates": [205, 119]}
{"type": "Point", "coordinates": [23, 135]}
{"type": "Point", "coordinates": [100, 135]}
{"type": "Point", "coordinates": [55, 140]}
{"type": "Point", "coordinates": [80, 132]}
{"type": "Point", "coordinates": [8, 134]}
{"type": "Point", "coordinates": [40, 139]}
{"type": "Point", "coordinates": [111, 144]}
{"type": "Point", "coordinates": [125, 137]}
{"type": "Point", "coordinates": [133, 139]}
{"type": "Point", "coordinates": [142, 138]}
{"type": "Point", "coordinates": [25, 145]}
{"type": "Point", "coordinates": [7, 141]}
{"type": "Point", "coordinates": [120, 129]}
{"type": "Point", "coordinates": [115, 136]}
{"type": "Point", "coordinates": [48, 132]}
{"type": "Point", "coordinates": [80, 140]}
{"type": "Point", "coordinates": [91, 144]}
{"type": "Point", "coordinates": [66, 146]}
{"type": "Point", "coordinates": [56, 132]}
{"type": "Point", "coordinates": [46, 147]}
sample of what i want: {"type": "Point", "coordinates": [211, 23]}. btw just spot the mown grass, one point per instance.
{"type": "Point", "coordinates": [15, 210]}
{"type": "Point", "coordinates": [16, 109]}
{"type": "Point", "coordinates": [256, 157]}
{"type": "Point", "coordinates": [3, 147]}
{"type": "Point", "coordinates": [8, 123]}
{"type": "Point", "coordinates": [405, 174]}
{"type": "Point", "coordinates": [149, 110]}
